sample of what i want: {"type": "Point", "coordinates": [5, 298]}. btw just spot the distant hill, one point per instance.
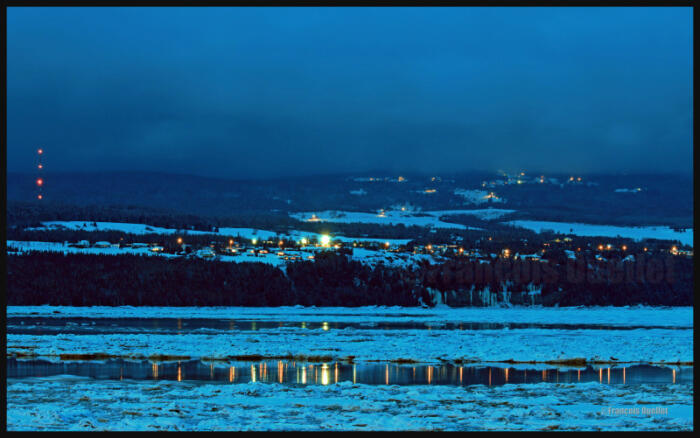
{"type": "Point", "coordinates": [662, 199]}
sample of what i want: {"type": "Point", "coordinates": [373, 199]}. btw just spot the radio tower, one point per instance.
{"type": "Point", "coordinates": [39, 171]}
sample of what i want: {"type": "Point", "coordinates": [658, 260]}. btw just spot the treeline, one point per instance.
{"type": "Point", "coordinates": [655, 280]}
{"type": "Point", "coordinates": [88, 280]}
{"type": "Point", "coordinates": [39, 278]}
{"type": "Point", "coordinates": [335, 280]}
{"type": "Point", "coordinates": [31, 214]}
{"type": "Point", "coordinates": [600, 204]}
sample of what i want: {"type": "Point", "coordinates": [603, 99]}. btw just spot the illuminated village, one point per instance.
{"type": "Point", "coordinates": [349, 219]}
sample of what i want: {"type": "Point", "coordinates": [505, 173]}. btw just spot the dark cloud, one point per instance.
{"type": "Point", "coordinates": [269, 91]}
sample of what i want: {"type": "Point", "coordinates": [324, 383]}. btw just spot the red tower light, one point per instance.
{"type": "Point", "coordinates": [39, 196]}
{"type": "Point", "coordinates": [39, 182]}
{"type": "Point", "coordinates": [40, 151]}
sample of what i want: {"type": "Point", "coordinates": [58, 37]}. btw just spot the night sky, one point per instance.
{"type": "Point", "coordinates": [260, 92]}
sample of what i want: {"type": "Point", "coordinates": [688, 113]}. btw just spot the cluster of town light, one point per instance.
{"type": "Point", "coordinates": [325, 241]}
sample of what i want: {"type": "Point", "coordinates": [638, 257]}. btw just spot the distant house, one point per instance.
{"type": "Point", "coordinates": [82, 244]}
{"type": "Point", "coordinates": [683, 252]}
{"type": "Point", "coordinates": [206, 253]}
{"type": "Point", "coordinates": [156, 249]}
{"type": "Point", "coordinates": [139, 245]}
{"type": "Point", "coordinates": [102, 244]}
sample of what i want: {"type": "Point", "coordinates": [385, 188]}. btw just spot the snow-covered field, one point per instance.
{"type": "Point", "coordinates": [245, 233]}
{"type": "Point", "coordinates": [73, 403]}
{"type": "Point", "coordinates": [366, 256]}
{"type": "Point", "coordinates": [636, 233]}
{"type": "Point", "coordinates": [24, 245]}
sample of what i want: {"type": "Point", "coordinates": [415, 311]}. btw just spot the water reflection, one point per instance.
{"type": "Point", "coordinates": [325, 375]}
{"type": "Point", "coordinates": [373, 374]}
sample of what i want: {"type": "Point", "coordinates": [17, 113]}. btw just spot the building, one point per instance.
{"type": "Point", "coordinates": [206, 253]}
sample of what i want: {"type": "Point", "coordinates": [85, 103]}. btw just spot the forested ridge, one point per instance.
{"type": "Point", "coordinates": [38, 278]}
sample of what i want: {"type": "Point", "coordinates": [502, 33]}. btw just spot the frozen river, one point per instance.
{"type": "Point", "coordinates": [349, 368]}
